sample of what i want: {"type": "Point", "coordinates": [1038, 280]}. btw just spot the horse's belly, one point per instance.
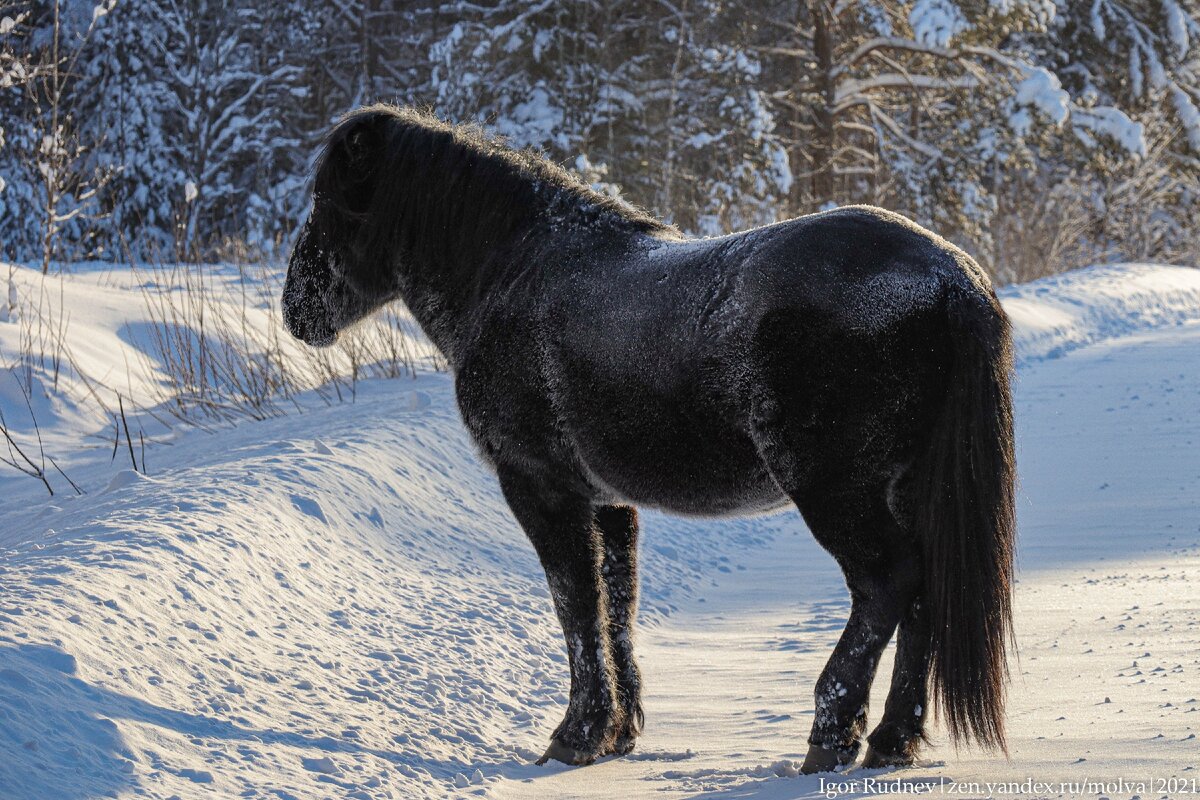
{"type": "Point", "coordinates": [752, 500]}
{"type": "Point", "coordinates": [704, 474]}
{"type": "Point", "coordinates": [695, 496]}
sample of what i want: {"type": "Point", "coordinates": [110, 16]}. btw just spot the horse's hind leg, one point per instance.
{"type": "Point", "coordinates": [882, 584]}
{"type": "Point", "coordinates": [562, 528]}
{"type": "Point", "coordinates": [898, 736]}
{"type": "Point", "coordinates": [619, 527]}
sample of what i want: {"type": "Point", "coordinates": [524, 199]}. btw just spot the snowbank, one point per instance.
{"type": "Point", "coordinates": [1055, 315]}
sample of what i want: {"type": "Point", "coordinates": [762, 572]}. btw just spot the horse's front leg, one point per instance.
{"type": "Point", "coordinates": [619, 527]}
{"type": "Point", "coordinates": [562, 528]}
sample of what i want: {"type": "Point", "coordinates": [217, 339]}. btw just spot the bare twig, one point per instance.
{"type": "Point", "coordinates": [66, 477]}
{"type": "Point", "coordinates": [26, 464]}
{"type": "Point", "coordinates": [128, 440]}
{"type": "Point", "coordinates": [19, 460]}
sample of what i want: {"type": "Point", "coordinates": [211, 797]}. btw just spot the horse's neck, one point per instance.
{"type": "Point", "coordinates": [440, 321]}
{"type": "Point", "coordinates": [443, 296]}
{"type": "Point", "coordinates": [441, 265]}
{"type": "Point", "coordinates": [447, 300]}
{"type": "Point", "coordinates": [480, 249]}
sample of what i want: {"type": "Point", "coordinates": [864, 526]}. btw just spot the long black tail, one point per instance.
{"type": "Point", "coordinates": [968, 523]}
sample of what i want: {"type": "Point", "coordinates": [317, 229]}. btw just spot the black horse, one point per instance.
{"type": "Point", "coordinates": [849, 362]}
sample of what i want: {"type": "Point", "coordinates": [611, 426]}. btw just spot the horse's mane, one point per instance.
{"type": "Point", "coordinates": [448, 194]}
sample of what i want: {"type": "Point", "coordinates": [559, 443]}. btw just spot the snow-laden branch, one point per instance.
{"type": "Point", "coordinates": [883, 119]}
{"type": "Point", "coordinates": [1189, 115]}
{"type": "Point", "coordinates": [891, 43]}
{"type": "Point", "coordinates": [1112, 123]}
{"type": "Point", "coordinates": [852, 88]}
{"type": "Point", "coordinates": [249, 92]}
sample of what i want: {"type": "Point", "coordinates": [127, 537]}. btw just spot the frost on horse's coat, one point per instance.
{"type": "Point", "coordinates": [848, 362]}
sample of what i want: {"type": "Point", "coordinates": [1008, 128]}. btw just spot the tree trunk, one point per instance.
{"type": "Point", "coordinates": [825, 135]}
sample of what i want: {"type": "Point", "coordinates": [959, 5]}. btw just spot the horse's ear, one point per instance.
{"type": "Point", "coordinates": [357, 146]}
{"type": "Point", "coordinates": [363, 140]}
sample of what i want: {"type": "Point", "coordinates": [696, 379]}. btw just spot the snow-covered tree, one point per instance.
{"type": "Point", "coordinates": [1142, 56]}
{"type": "Point", "coordinates": [53, 187]}
{"type": "Point", "coordinates": [926, 106]}
{"type": "Point", "coordinates": [652, 94]}
{"type": "Point", "coordinates": [15, 69]}
{"type": "Point", "coordinates": [213, 82]}
{"type": "Point", "coordinates": [14, 72]}
{"type": "Point", "coordinates": [728, 164]}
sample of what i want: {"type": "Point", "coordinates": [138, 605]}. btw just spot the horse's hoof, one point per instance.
{"type": "Point", "coordinates": [623, 745]}
{"type": "Point", "coordinates": [626, 734]}
{"type": "Point", "coordinates": [826, 759]}
{"type": "Point", "coordinates": [876, 760]}
{"type": "Point", "coordinates": [567, 755]}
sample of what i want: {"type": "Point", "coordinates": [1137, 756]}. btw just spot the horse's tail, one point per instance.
{"type": "Point", "coordinates": [968, 526]}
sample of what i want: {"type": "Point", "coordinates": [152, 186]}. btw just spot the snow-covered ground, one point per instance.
{"type": "Point", "coordinates": [336, 603]}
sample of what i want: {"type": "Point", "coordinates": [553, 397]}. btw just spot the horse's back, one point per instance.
{"type": "Point", "coordinates": [671, 304]}
{"type": "Point", "coordinates": [665, 367]}
{"type": "Point", "coordinates": [862, 266]}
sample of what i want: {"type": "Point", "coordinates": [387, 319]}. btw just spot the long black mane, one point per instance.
{"type": "Point", "coordinates": [404, 183]}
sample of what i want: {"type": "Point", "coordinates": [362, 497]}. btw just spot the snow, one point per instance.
{"type": "Point", "coordinates": [936, 22]}
{"type": "Point", "coordinates": [1112, 123]}
{"type": "Point", "coordinates": [337, 602]}
{"type": "Point", "coordinates": [1056, 315]}
{"type": "Point", "coordinates": [1189, 116]}
{"type": "Point", "coordinates": [1042, 90]}
{"type": "Point", "coordinates": [1177, 28]}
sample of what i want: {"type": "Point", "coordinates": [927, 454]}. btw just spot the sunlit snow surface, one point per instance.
{"type": "Point", "coordinates": [338, 604]}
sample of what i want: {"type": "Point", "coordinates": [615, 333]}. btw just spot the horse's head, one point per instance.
{"type": "Point", "coordinates": [336, 274]}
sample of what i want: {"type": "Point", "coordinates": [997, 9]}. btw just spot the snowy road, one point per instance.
{"type": "Point", "coordinates": [337, 604]}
